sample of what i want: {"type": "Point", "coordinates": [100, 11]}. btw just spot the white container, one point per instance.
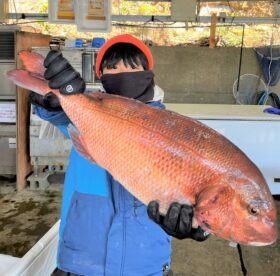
{"type": "Point", "coordinates": [61, 11]}
{"type": "Point", "coordinates": [40, 260]}
{"type": "Point", "coordinates": [93, 15]}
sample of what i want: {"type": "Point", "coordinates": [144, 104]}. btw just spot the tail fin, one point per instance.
{"type": "Point", "coordinates": [33, 62]}
{"type": "Point", "coordinates": [25, 80]}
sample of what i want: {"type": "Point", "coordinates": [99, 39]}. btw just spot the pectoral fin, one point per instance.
{"type": "Point", "coordinates": [79, 143]}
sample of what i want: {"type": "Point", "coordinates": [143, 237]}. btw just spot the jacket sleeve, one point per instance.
{"type": "Point", "coordinates": [58, 118]}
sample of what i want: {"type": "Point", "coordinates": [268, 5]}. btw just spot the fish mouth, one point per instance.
{"type": "Point", "coordinates": [261, 243]}
{"type": "Point", "coordinates": [263, 232]}
{"type": "Point", "coordinates": [252, 243]}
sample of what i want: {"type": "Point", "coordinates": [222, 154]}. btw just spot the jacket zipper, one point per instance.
{"type": "Point", "coordinates": [135, 209]}
{"type": "Point", "coordinates": [122, 201]}
{"type": "Point", "coordinates": [135, 206]}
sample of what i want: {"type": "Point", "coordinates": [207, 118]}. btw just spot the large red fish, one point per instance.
{"type": "Point", "coordinates": [161, 155]}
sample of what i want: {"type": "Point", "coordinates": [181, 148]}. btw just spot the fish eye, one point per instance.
{"type": "Point", "coordinates": [253, 210]}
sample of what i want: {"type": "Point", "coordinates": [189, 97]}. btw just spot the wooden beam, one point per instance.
{"type": "Point", "coordinates": [24, 41]}
{"type": "Point", "coordinates": [212, 43]}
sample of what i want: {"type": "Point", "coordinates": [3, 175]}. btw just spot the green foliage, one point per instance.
{"type": "Point", "coordinates": [43, 8]}
{"type": "Point", "coordinates": [230, 36]}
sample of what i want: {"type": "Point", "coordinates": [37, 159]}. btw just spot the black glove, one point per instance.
{"type": "Point", "coordinates": [48, 101]}
{"type": "Point", "coordinates": [61, 75]}
{"type": "Point", "coordinates": [177, 222]}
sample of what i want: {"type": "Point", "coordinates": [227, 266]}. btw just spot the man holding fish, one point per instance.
{"type": "Point", "coordinates": [162, 159]}
{"type": "Point", "coordinates": [105, 230]}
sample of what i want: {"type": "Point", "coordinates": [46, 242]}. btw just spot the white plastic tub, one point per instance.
{"type": "Point", "coordinates": [39, 260]}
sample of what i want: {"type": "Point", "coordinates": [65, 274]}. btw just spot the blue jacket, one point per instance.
{"type": "Point", "coordinates": [104, 229]}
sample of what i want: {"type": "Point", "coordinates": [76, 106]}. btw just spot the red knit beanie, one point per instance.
{"type": "Point", "coordinates": [126, 38]}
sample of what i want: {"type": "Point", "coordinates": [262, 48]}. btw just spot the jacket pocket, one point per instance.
{"type": "Point", "coordinates": [84, 239]}
{"type": "Point", "coordinates": [88, 222]}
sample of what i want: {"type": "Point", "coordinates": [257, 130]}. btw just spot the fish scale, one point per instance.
{"type": "Point", "coordinates": [189, 133]}
{"type": "Point", "coordinates": [179, 170]}
{"type": "Point", "coordinates": [160, 155]}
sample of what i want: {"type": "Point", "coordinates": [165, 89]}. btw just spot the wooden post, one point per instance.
{"type": "Point", "coordinates": [212, 43]}
{"type": "Point", "coordinates": [24, 41]}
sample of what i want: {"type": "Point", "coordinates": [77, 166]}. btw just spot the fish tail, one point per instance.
{"type": "Point", "coordinates": [30, 82]}
{"type": "Point", "coordinates": [33, 63]}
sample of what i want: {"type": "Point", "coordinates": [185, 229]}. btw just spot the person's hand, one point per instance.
{"type": "Point", "coordinates": [61, 75]}
{"type": "Point", "coordinates": [49, 101]}
{"type": "Point", "coordinates": [177, 222]}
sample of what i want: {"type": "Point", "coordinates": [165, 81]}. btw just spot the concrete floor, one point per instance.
{"type": "Point", "coordinates": [26, 216]}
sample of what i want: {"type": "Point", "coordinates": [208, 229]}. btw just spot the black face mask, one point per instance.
{"type": "Point", "coordinates": [137, 85]}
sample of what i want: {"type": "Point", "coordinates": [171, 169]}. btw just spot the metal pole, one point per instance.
{"type": "Point", "coordinates": [240, 58]}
